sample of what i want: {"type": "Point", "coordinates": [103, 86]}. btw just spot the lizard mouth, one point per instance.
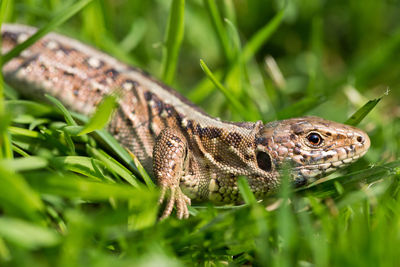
{"type": "Point", "coordinates": [309, 173]}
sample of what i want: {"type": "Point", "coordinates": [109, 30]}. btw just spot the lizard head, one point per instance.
{"type": "Point", "coordinates": [314, 147]}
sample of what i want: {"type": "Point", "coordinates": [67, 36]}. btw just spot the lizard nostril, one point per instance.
{"type": "Point", "coordinates": [360, 139]}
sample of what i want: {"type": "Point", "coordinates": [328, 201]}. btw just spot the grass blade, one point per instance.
{"type": "Point", "coordinates": [23, 132]}
{"type": "Point", "coordinates": [27, 235]}
{"type": "Point", "coordinates": [259, 39]}
{"type": "Point", "coordinates": [29, 107]}
{"type": "Point", "coordinates": [135, 35]}
{"type": "Point", "coordinates": [236, 104]}
{"type": "Point", "coordinates": [72, 186]}
{"type": "Point", "coordinates": [3, 9]}
{"type": "Point", "coordinates": [219, 28]}
{"type": "Point", "coordinates": [114, 166]}
{"type": "Point", "coordinates": [16, 196]}
{"type": "Point", "coordinates": [5, 143]}
{"type": "Point", "coordinates": [64, 111]}
{"type": "Point", "coordinates": [102, 115]}
{"type": "Point", "coordinates": [79, 164]}
{"type": "Point", "coordinates": [299, 108]}
{"type": "Point", "coordinates": [25, 164]}
{"type": "Point", "coordinates": [173, 40]}
{"type": "Point", "coordinates": [360, 114]}
{"type": "Point", "coordinates": [149, 182]}
{"type": "Point", "coordinates": [246, 192]}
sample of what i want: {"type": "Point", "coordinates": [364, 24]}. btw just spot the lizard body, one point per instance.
{"type": "Point", "coordinates": [191, 155]}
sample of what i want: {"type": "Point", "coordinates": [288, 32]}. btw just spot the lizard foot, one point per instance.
{"type": "Point", "coordinates": [176, 198]}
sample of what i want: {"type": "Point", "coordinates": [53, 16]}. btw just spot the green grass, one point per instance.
{"type": "Point", "coordinates": [71, 196]}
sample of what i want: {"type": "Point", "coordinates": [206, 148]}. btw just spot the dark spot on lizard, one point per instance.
{"type": "Point", "coordinates": [327, 157]}
{"type": "Point", "coordinates": [300, 181]}
{"type": "Point", "coordinates": [296, 151]}
{"type": "Point", "coordinates": [10, 36]}
{"type": "Point", "coordinates": [200, 131]}
{"type": "Point", "coordinates": [178, 118]}
{"type": "Point", "coordinates": [251, 144]}
{"type": "Point", "coordinates": [158, 105]}
{"type": "Point", "coordinates": [66, 73]}
{"type": "Point", "coordinates": [261, 141]}
{"type": "Point", "coordinates": [189, 125]}
{"type": "Point", "coordinates": [43, 67]}
{"type": "Point", "coordinates": [328, 147]}
{"type": "Point", "coordinates": [281, 139]}
{"type": "Point", "coordinates": [248, 157]}
{"type": "Point", "coordinates": [112, 73]}
{"type": "Point", "coordinates": [103, 82]}
{"type": "Point", "coordinates": [214, 132]}
{"type": "Point", "coordinates": [340, 136]}
{"type": "Point", "coordinates": [234, 138]}
{"type": "Point", "coordinates": [218, 158]}
{"type": "Point", "coordinates": [297, 129]}
{"type": "Point", "coordinates": [169, 109]}
{"type": "Point", "coordinates": [75, 91]}
{"type": "Point", "coordinates": [66, 50]}
{"type": "Point", "coordinates": [147, 95]}
{"type": "Point", "coordinates": [116, 130]}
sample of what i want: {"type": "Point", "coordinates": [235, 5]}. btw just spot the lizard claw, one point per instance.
{"type": "Point", "coordinates": [176, 198]}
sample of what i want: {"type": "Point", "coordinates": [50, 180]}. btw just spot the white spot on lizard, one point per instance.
{"type": "Point", "coordinates": [94, 62]}
{"type": "Point", "coordinates": [22, 37]}
{"type": "Point", "coordinates": [52, 45]}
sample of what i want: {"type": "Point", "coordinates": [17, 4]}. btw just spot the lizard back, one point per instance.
{"type": "Point", "coordinates": [80, 76]}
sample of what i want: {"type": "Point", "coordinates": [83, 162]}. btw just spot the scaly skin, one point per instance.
{"type": "Point", "coordinates": [191, 155]}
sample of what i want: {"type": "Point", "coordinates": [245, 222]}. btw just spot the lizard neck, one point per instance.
{"type": "Point", "coordinates": [228, 150]}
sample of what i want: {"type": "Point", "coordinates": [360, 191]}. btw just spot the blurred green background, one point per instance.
{"type": "Point", "coordinates": [333, 56]}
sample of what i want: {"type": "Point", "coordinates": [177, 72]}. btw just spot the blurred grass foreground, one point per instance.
{"type": "Point", "coordinates": [71, 196]}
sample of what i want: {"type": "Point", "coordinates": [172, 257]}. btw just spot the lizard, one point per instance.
{"type": "Point", "coordinates": [191, 155]}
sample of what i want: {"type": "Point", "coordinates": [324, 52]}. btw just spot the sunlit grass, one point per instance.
{"type": "Point", "coordinates": [70, 195]}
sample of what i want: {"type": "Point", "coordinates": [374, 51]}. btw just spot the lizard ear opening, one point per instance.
{"type": "Point", "coordinates": [264, 161]}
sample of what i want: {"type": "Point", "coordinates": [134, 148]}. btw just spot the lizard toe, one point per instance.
{"type": "Point", "coordinates": [176, 198]}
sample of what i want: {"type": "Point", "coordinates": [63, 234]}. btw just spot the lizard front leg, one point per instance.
{"type": "Point", "coordinates": [169, 160]}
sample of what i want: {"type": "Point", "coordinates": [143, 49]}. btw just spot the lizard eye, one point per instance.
{"type": "Point", "coordinates": [264, 161]}
{"type": "Point", "coordinates": [315, 139]}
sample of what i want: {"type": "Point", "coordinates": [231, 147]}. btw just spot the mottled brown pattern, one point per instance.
{"type": "Point", "coordinates": [190, 154]}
